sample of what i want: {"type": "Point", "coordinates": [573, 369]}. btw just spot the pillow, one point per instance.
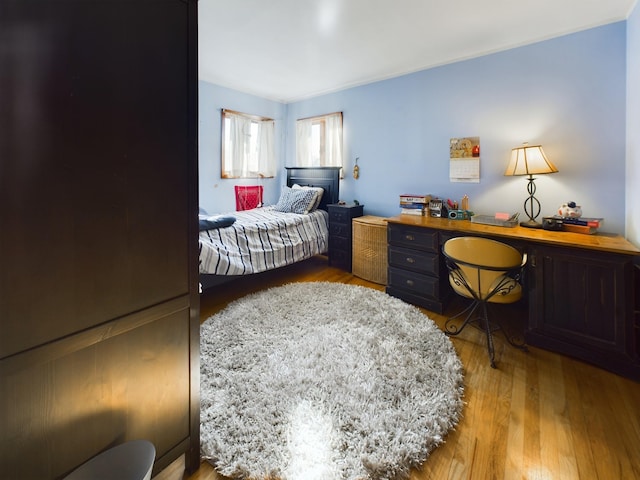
{"type": "Point", "coordinates": [319, 191]}
{"type": "Point", "coordinates": [295, 201]}
{"type": "Point", "coordinates": [211, 222]}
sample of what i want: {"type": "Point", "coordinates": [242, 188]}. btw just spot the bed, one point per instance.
{"type": "Point", "coordinates": [252, 241]}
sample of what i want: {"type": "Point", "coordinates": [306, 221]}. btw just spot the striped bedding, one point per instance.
{"type": "Point", "coordinates": [263, 239]}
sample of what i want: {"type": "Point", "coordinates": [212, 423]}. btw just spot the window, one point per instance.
{"type": "Point", "coordinates": [319, 141]}
{"type": "Point", "coordinates": [248, 145]}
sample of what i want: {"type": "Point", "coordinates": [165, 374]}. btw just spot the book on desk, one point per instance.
{"type": "Point", "coordinates": [414, 204]}
{"type": "Point", "coordinates": [584, 225]}
{"type": "Point", "coordinates": [584, 229]}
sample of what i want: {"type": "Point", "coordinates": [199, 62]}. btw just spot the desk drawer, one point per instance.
{"type": "Point", "coordinates": [340, 215]}
{"type": "Point", "coordinates": [414, 260]}
{"type": "Point", "coordinates": [416, 283]}
{"type": "Point", "coordinates": [339, 243]}
{"type": "Point", "coordinates": [340, 259]}
{"type": "Point", "coordinates": [340, 229]}
{"type": "Point", "coordinates": [410, 237]}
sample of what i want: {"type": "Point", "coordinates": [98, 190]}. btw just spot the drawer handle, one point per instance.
{"type": "Point", "coordinates": [411, 238]}
{"type": "Point", "coordinates": [410, 283]}
{"type": "Point", "coordinates": [410, 260]}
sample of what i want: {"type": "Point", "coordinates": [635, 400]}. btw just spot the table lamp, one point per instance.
{"type": "Point", "coordinates": [530, 160]}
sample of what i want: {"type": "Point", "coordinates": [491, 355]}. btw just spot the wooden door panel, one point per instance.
{"type": "Point", "coordinates": [94, 209]}
{"type": "Point", "coordinates": [98, 231]}
{"type": "Point", "coordinates": [132, 385]}
{"type": "Point", "coordinates": [584, 298]}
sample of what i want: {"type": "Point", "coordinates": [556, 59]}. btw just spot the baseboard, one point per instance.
{"type": "Point", "coordinates": [173, 471]}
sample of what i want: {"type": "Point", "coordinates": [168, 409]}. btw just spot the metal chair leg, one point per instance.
{"type": "Point", "coordinates": [451, 329]}
{"type": "Point", "coordinates": [484, 324]}
{"type": "Point", "coordinates": [521, 345]}
{"type": "Point", "coordinates": [487, 329]}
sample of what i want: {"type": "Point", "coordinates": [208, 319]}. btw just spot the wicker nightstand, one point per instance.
{"type": "Point", "coordinates": [370, 248]}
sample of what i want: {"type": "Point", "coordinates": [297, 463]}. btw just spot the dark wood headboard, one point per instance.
{"type": "Point", "coordinates": [327, 178]}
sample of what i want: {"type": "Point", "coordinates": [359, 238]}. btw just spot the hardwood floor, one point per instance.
{"type": "Point", "coordinates": [539, 415]}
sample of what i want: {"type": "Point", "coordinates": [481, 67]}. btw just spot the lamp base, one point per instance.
{"type": "Point", "coordinates": [531, 224]}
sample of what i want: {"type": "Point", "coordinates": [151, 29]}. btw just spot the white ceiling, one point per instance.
{"type": "Point", "coordinates": [287, 50]}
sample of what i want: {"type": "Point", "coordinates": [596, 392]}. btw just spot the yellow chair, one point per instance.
{"type": "Point", "coordinates": [485, 271]}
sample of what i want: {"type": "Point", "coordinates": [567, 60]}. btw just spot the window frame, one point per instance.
{"type": "Point", "coordinates": [322, 161]}
{"type": "Point", "coordinates": [226, 165]}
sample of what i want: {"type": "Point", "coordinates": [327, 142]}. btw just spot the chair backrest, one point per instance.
{"type": "Point", "coordinates": [482, 263]}
{"type": "Point", "coordinates": [248, 196]}
{"type": "Point", "coordinates": [483, 252]}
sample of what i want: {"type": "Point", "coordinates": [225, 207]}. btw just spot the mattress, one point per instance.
{"type": "Point", "coordinates": [262, 239]}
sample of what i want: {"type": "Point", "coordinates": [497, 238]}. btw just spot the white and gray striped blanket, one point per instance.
{"type": "Point", "coordinates": [263, 239]}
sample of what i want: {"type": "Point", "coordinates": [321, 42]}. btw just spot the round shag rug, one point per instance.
{"type": "Point", "coordinates": [326, 381]}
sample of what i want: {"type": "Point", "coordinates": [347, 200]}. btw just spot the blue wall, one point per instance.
{"type": "Point", "coordinates": [567, 94]}
{"type": "Point", "coordinates": [217, 194]}
{"type": "Point", "coordinates": [633, 127]}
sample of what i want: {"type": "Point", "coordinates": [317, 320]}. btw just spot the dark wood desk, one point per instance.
{"type": "Point", "coordinates": [582, 289]}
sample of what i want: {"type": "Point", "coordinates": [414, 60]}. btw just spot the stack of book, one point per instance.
{"type": "Point", "coordinates": [411, 204]}
{"type": "Point", "coordinates": [586, 225]}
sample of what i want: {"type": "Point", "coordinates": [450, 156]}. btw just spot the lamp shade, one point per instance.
{"type": "Point", "coordinates": [529, 160]}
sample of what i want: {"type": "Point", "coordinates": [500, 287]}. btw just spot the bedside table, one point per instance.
{"type": "Point", "coordinates": [340, 235]}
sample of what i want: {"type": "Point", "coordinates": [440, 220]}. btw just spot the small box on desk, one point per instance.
{"type": "Point", "coordinates": [584, 229]}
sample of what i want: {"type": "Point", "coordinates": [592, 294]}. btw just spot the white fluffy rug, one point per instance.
{"type": "Point", "coordinates": [325, 381]}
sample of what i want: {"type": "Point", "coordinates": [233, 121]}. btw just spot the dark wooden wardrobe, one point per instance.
{"type": "Point", "coordinates": [99, 327]}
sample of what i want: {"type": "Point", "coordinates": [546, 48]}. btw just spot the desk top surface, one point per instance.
{"type": "Point", "coordinates": [598, 241]}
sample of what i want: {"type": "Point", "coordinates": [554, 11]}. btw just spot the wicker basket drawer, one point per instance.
{"type": "Point", "coordinates": [415, 260]}
{"type": "Point", "coordinates": [422, 285]}
{"type": "Point", "coordinates": [370, 249]}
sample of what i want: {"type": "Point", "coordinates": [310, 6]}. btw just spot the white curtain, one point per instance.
{"type": "Point", "coordinates": [326, 154]}
{"type": "Point", "coordinates": [333, 139]}
{"type": "Point", "coordinates": [238, 157]}
{"type": "Point", "coordinates": [304, 157]}
{"type": "Point", "coordinates": [249, 146]}
{"type": "Point", "coordinates": [266, 149]}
